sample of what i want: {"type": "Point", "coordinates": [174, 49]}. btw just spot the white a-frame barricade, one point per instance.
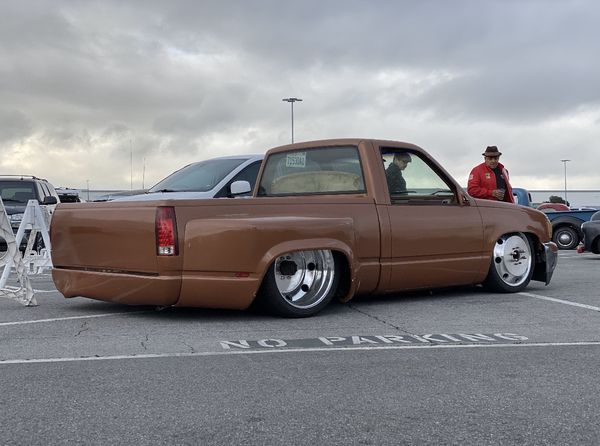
{"type": "Point", "coordinates": [36, 219]}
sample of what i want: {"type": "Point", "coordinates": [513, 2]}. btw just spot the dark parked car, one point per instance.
{"type": "Point", "coordinates": [68, 195]}
{"type": "Point", "coordinates": [16, 191]}
{"type": "Point", "coordinates": [551, 207]}
{"type": "Point", "coordinates": [591, 235]}
{"type": "Point", "coordinates": [566, 224]}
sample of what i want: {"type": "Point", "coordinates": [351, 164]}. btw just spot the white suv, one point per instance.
{"type": "Point", "coordinates": [211, 178]}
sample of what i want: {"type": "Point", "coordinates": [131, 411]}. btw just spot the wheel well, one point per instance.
{"type": "Point", "coordinates": [537, 247]}
{"type": "Point", "coordinates": [344, 269]}
{"type": "Point", "coordinates": [539, 266]}
{"type": "Point", "coordinates": [345, 274]}
{"type": "Point", "coordinates": [534, 242]}
{"type": "Point", "coordinates": [532, 238]}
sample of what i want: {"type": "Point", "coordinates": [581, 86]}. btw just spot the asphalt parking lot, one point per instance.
{"type": "Point", "coordinates": [457, 366]}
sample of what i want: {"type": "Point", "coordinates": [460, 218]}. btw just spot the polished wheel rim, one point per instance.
{"type": "Point", "coordinates": [565, 238]}
{"type": "Point", "coordinates": [304, 278]}
{"type": "Point", "coordinates": [512, 259]}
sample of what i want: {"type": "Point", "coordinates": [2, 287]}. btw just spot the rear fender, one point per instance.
{"type": "Point", "coordinates": [249, 245]}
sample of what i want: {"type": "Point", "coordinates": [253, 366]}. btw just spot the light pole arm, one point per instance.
{"type": "Point", "coordinates": [291, 101]}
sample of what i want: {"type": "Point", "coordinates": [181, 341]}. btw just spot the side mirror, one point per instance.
{"type": "Point", "coordinates": [50, 200]}
{"type": "Point", "coordinates": [239, 188]}
{"type": "Point", "coordinates": [463, 199]}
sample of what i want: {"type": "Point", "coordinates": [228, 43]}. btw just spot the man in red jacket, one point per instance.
{"type": "Point", "coordinates": [489, 179]}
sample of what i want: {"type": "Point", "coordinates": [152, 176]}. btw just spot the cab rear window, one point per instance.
{"type": "Point", "coordinates": [325, 170]}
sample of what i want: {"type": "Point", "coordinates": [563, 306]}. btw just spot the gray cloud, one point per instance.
{"type": "Point", "coordinates": [14, 125]}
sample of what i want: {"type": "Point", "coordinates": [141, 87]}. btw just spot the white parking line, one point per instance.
{"type": "Point", "coordinates": [560, 301]}
{"type": "Point", "coordinates": [14, 288]}
{"type": "Point", "coordinates": [295, 350]}
{"type": "Point", "coordinates": [58, 319]}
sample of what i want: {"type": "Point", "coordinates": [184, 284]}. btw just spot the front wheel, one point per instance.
{"type": "Point", "coordinates": [300, 283]}
{"type": "Point", "coordinates": [565, 237]}
{"type": "Point", "coordinates": [511, 267]}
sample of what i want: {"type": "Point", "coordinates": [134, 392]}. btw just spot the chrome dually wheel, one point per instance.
{"type": "Point", "coordinates": [300, 283]}
{"type": "Point", "coordinates": [512, 264]}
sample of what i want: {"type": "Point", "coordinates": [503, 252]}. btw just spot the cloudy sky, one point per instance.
{"type": "Point", "coordinates": [86, 87]}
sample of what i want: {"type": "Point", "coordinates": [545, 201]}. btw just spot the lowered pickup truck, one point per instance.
{"type": "Point", "coordinates": [323, 222]}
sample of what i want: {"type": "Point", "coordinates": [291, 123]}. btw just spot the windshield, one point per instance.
{"type": "Point", "coordinates": [198, 177]}
{"type": "Point", "coordinates": [17, 191]}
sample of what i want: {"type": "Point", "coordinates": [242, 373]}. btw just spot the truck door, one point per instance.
{"type": "Point", "coordinates": [435, 239]}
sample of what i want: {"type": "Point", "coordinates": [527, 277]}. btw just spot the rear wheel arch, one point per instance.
{"type": "Point", "coordinates": [302, 282]}
{"type": "Point", "coordinates": [535, 243]}
{"type": "Point", "coordinates": [338, 249]}
{"type": "Point", "coordinates": [345, 283]}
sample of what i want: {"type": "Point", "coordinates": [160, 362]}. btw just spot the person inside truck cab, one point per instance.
{"type": "Point", "coordinates": [393, 173]}
{"type": "Point", "coordinates": [489, 179]}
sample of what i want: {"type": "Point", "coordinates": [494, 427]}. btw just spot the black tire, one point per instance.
{"type": "Point", "coordinates": [596, 246]}
{"type": "Point", "coordinates": [512, 264]}
{"type": "Point", "coordinates": [300, 284]}
{"type": "Point", "coordinates": [565, 237]}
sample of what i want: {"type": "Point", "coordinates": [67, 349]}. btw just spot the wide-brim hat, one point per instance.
{"type": "Point", "coordinates": [491, 151]}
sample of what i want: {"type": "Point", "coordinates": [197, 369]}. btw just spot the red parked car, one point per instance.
{"type": "Point", "coordinates": [545, 207]}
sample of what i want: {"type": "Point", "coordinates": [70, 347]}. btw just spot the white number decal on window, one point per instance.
{"type": "Point", "coordinates": [297, 159]}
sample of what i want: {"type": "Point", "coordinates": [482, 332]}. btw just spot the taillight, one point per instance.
{"type": "Point", "coordinates": [166, 231]}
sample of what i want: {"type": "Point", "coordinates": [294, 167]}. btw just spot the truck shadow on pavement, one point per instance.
{"type": "Point", "coordinates": [465, 295]}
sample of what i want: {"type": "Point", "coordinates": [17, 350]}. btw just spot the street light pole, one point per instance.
{"type": "Point", "coordinates": [565, 164]}
{"type": "Point", "coordinates": [131, 163]}
{"type": "Point", "coordinates": [291, 101]}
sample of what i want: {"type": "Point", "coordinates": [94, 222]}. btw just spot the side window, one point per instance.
{"type": "Point", "coordinates": [43, 191]}
{"type": "Point", "coordinates": [411, 179]}
{"type": "Point", "coordinates": [321, 170]}
{"type": "Point", "coordinates": [249, 174]}
{"type": "Point", "coordinates": [51, 191]}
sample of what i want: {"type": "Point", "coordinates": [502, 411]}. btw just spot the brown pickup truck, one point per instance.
{"type": "Point", "coordinates": [333, 218]}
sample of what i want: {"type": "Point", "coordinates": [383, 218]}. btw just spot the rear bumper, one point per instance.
{"type": "Point", "coordinates": [130, 289]}
{"type": "Point", "coordinates": [548, 260]}
{"type": "Point", "coordinates": [215, 290]}
{"type": "Point", "coordinates": [218, 290]}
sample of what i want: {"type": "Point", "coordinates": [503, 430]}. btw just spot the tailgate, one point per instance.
{"type": "Point", "coordinates": [105, 236]}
